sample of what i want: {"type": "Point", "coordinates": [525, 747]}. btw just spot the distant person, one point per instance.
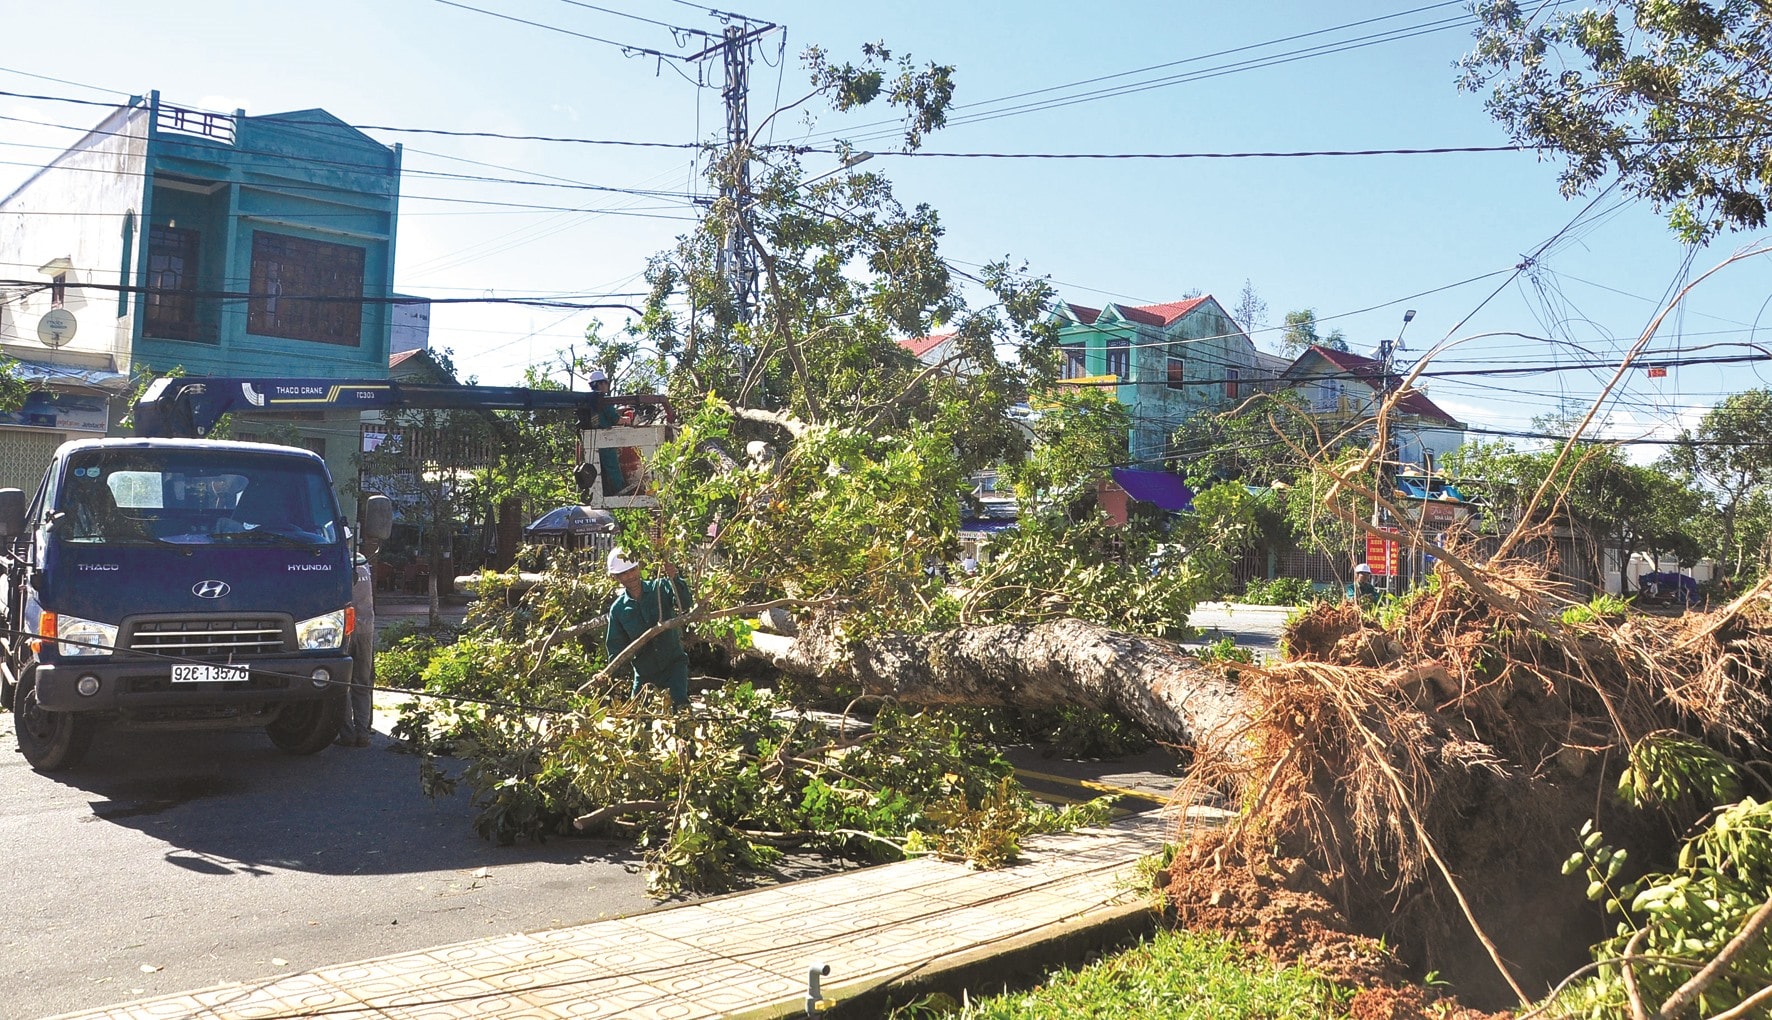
{"type": "Point", "coordinates": [969, 565]}
{"type": "Point", "coordinates": [359, 718]}
{"type": "Point", "coordinates": [1364, 589]}
{"type": "Point", "coordinates": [640, 606]}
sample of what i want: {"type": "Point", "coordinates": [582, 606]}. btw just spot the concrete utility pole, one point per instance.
{"type": "Point", "coordinates": [1387, 463]}
{"type": "Point", "coordinates": [737, 259]}
{"type": "Point", "coordinates": [740, 261]}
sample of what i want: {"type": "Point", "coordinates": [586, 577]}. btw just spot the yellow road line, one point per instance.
{"type": "Point", "coordinates": [1089, 784]}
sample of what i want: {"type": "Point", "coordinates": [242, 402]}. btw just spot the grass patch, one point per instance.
{"type": "Point", "coordinates": [1175, 975]}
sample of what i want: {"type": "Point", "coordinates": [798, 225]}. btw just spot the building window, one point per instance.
{"type": "Point", "coordinates": [1175, 374]}
{"type": "Point", "coordinates": [1119, 358]}
{"type": "Point", "coordinates": [1075, 366]}
{"type": "Point", "coordinates": [172, 283]}
{"type": "Point", "coordinates": [58, 290]}
{"type": "Point", "coordinates": [1232, 383]}
{"type": "Point", "coordinates": [306, 290]}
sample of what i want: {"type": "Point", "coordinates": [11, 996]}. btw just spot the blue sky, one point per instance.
{"type": "Point", "coordinates": [1357, 238]}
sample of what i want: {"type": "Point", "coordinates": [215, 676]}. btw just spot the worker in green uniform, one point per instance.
{"type": "Point", "coordinates": [1364, 589]}
{"type": "Point", "coordinates": [640, 606]}
{"type": "Point", "coordinates": [608, 457]}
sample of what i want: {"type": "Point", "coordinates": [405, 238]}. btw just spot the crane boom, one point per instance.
{"type": "Point", "coordinates": [187, 407]}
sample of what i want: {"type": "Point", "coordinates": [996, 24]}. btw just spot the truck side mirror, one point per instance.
{"type": "Point", "coordinates": [377, 519]}
{"type": "Point", "coordinates": [12, 512]}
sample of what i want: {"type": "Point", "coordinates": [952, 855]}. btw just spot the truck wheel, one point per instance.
{"type": "Point", "coordinates": [50, 741]}
{"type": "Point", "coordinates": [304, 727]}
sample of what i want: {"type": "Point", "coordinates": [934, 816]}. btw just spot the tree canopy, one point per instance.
{"type": "Point", "coordinates": [1672, 96]}
{"type": "Point", "coordinates": [1301, 333]}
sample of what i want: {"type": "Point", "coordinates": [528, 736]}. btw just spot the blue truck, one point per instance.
{"type": "Point", "coordinates": [177, 584]}
{"type": "Point", "coordinates": [170, 581]}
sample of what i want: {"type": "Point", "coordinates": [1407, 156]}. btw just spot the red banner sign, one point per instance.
{"type": "Point", "coordinates": [1381, 555]}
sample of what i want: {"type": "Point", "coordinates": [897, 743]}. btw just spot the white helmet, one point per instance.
{"type": "Point", "coordinates": [597, 375]}
{"type": "Point", "coordinates": [619, 562]}
{"type": "Point", "coordinates": [1359, 568]}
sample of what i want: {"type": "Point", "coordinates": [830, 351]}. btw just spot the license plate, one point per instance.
{"type": "Point", "coordinates": [203, 674]}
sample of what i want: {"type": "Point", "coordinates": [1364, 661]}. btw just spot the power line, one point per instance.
{"type": "Point", "coordinates": [636, 17]}
{"type": "Point", "coordinates": [286, 119]}
{"type": "Point", "coordinates": [1437, 150]}
{"type": "Point", "coordinates": [626, 48]}
{"type": "Point", "coordinates": [1167, 64]}
{"type": "Point", "coordinates": [1256, 64]}
{"type": "Point", "coordinates": [556, 182]}
{"type": "Point", "coordinates": [34, 286]}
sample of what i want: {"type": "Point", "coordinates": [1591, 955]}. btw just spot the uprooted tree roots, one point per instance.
{"type": "Point", "coordinates": [1431, 772]}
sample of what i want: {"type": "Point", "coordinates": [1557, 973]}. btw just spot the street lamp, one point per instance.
{"type": "Point", "coordinates": [850, 162]}
{"type": "Point", "coordinates": [1390, 347]}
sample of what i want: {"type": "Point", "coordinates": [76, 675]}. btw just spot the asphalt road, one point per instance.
{"type": "Point", "coordinates": [169, 862]}
{"type": "Point", "coordinates": [1255, 627]}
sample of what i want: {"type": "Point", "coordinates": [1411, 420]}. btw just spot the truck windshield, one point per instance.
{"type": "Point", "coordinates": [194, 497]}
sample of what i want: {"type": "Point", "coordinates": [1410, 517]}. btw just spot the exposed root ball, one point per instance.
{"type": "Point", "coordinates": [1433, 772]}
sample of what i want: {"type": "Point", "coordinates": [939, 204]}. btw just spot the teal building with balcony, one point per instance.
{"type": "Point", "coordinates": [218, 244]}
{"type": "Point", "coordinates": [1164, 362]}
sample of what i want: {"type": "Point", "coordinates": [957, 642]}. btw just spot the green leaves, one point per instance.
{"type": "Point", "coordinates": [710, 796]}
{"type": "Point", "coordinates": [1675, 103]}
{"type": "Point", "coordinates": [1676, 922]}
{"type": "Point", "coordinates": [1667, 767]}
{"type": "Point", "coordinates": [842, 518]}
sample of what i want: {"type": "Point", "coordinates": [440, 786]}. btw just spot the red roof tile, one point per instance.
{"type": "Point", "coordinates": [402, 356]}
{"type": "Point", "coordinates": [924, 344]}
{"type": "Point", "coordinates": [1367, 370]}
{"type": "Point", "coordinates": [1131, 314]}
{"type": "Point", "coordinates": [1168, 312]}
{"type": "Point", "coordinates": [1150, 315]}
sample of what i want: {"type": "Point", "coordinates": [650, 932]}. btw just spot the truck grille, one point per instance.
{"type": "Point", "coordinates": [220, 638]}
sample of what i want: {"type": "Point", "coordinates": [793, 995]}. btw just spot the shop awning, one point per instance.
{"type": "Point", "coordinates": [45, 374]}
{"type": "Point", "coordinates": [1160, 488]}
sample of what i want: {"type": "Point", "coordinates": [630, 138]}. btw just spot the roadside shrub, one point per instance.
{"type": "Point", "coordinates": [401, 662]}
{"type": "Point", "coordinates": [1226, 649]}
{"type": "Point", "coordinates": [1281, 591]}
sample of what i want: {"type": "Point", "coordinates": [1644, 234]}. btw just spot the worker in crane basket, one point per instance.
{"type": "Point", "coordinates": [608, 457]}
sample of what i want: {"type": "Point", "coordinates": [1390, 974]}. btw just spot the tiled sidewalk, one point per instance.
{"type": "Point", "coordinates": [746, 952]}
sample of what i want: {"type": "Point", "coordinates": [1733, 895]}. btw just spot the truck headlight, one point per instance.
{"type": "Point", "coordinates": [326, 631]}
{"type": "Point", "coordinates": [94, 638]}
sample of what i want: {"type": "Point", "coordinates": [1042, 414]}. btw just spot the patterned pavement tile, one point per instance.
{"type": "Point", "coordinates": [707, 959]}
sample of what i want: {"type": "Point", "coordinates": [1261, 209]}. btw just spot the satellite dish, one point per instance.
{"type": "Point", "coordinates": [56, 327]}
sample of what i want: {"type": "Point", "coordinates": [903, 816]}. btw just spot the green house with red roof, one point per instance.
{"type": "Point", "coordinates": [1165, 362]}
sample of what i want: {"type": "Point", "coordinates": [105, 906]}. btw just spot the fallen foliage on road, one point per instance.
{"type": "Point", "coordinates": [523, 718]}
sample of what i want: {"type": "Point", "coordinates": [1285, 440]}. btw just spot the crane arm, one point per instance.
{"type": "Point", "coordinates": [189, 406]}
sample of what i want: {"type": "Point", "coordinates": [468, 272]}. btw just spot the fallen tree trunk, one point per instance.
{"type": "Point", "coordinates": [1151, 682]}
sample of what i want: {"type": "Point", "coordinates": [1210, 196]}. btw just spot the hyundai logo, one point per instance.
{"type": "Point", "coordinates": [211, 589]}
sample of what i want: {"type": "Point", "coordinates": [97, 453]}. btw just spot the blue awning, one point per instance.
{"type": "Point", "coordinates": [45, 374]}
{"type": "Point", "coordinates": [1161, 488]}
{"type": "Point", "coordinates": [981, 526]}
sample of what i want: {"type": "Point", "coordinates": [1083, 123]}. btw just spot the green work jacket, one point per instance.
{"type": "Point", "coordinates": [661, 598]}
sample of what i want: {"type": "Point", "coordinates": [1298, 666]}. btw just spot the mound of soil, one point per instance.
{"type": "Point", "coordinates": [1282, 912]}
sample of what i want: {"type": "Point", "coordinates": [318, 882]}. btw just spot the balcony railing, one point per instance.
{"type": "Point", "coordinates": [219, 126]}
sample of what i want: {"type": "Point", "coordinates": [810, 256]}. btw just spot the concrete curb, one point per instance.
{"type": "Point", "coordinates": [1016, 962]}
